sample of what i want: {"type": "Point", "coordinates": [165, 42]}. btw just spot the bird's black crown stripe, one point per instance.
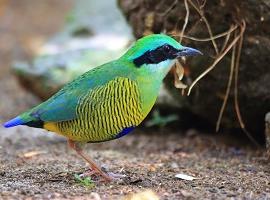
{"type": "Point", "coordinates": [157, 55]}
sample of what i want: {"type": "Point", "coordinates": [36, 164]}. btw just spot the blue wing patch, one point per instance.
{"type": "Point", "coordinates": [124, 132]}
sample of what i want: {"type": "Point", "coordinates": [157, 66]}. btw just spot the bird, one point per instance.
{"type": "Point", "coordinates": [110, 100]}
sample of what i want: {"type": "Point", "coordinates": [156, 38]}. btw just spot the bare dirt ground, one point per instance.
{"type": "Point", "coordinates": [224, 167]}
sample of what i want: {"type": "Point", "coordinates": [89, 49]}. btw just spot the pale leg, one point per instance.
{"type": "Point", "coordinates": [92, 164]}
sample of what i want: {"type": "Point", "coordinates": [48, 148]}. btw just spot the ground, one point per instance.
{"type": "Point", "coordinates": [35, 164]}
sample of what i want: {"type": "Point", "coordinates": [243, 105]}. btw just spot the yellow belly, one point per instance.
{"type": "Point", "coordinates": [103, 113]}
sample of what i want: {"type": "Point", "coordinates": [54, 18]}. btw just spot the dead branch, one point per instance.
{"type": "Point", "coordinates": [186, 21]}
{"type": "Point", "coordinates": [228, 89]}
{"type": "Point", "coordinates": [227, 33]}
{"type": "Point", "coordinates": [166, 12]}
{"type": "Point", "coordinates": [207, 25]}
{"type": "Point", "coordinates": [236, 102]}
{"type": "Point", "coordinates": [214, 63]}
{"type": "Point", "coordinates": [226, 40]}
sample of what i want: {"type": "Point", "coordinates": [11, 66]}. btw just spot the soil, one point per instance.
{"type": "Point", "coordinates": [35, 164]}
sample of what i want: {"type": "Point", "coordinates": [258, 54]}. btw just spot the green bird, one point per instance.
{"type": "Point", "coordinates": [110, 100]}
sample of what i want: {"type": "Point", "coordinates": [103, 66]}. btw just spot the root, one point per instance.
{"type": "Point", "coordinates": [227, 34]}
{"type": "Point", "coordinates": [236, 102]}
{"type": "Point", "coordinates": [186, 21]}
{"type": "Point", "coordinates": [218, 59]}
{"type": "Point", "coordinates": [166, 12]}
{"type": "Point", "coordinates": [228, 89]}
{"type": "Point", "coordinates": [200, 11]}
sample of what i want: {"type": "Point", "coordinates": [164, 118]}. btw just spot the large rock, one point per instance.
{"type": "Point", "coordinates": [267, 132]}
{"type": "Point", "coordinates": [149, 16]}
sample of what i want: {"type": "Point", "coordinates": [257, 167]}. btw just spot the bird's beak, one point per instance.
{"type": "Point", "coordinates": [188, 51]}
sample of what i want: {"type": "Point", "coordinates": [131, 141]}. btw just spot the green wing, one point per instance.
{"type": "Point", "coordinates": [62, 106]}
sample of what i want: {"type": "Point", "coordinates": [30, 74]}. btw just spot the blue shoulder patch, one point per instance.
{"type": "Point", "coordinates": [124, 132]}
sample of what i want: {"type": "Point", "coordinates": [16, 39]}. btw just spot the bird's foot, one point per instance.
{"type": "Point", "coordinates": [116, 176]}
{"type": "Point", "coordinates": [96, 175]}
{"type": "Point", "coordinates": [105, 177]}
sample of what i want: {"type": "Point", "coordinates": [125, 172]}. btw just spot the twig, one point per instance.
{"type": "Point", "coordinates": [228, 89]}
{"type": "Point", "coordinates": [169, 9]}
{"type": "Point", "coordinates": [236, 102]}
{"type": "Point", "coordinates": [227, 33]}
{"type": "Point", "coordinates": [186, 21]}
{"type": "Point", "coordinates": [203, 4]}
{"type": "Point", "coordinates": [207, 25]}
{"type": "Point", "coordinates": [214, 63]}
{"type": "Point", "coordinates": [236, 82]}
{"type": "Point", "coordinates": [226, 40]}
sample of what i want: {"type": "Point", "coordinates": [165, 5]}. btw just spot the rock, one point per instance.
{"type": "Point", "coordinates": [267, 131]}
{"type": "Point", "coordinates": [88, 39]}
{"type": "Point", "coordinates": [254, 73]}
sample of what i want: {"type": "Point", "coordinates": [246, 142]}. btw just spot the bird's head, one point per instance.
{"type": "Point", "coordinates": [153, 50]}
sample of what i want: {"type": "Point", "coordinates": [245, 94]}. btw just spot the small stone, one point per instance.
{"type": "Point", "coordinates": [174, 165]}
{"type": "Point", "coordinates": [186, 193]}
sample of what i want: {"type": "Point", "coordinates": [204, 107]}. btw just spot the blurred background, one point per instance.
{"type": "Point", "coordinates": [45, 44]}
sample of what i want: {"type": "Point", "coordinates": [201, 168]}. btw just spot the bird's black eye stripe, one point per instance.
{"type": "Point", "coordinates": [156, 56]}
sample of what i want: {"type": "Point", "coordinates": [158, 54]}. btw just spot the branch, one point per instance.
{"type": "Point", "coordinates": [236, 102]}
{"type": "Point", "coordinates": [214, 64]}
{"type": "Point", "coordinates": [207, 25]}
{"type": "Point", "coordinates": [228, 89]}
{"type": "Point", "coordinates": [214, 37]}
{"type": "Point", "coordinates": [186, 21]}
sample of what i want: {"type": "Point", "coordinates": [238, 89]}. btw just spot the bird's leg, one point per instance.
{"type": "Point", "coordinates": [92, 164]}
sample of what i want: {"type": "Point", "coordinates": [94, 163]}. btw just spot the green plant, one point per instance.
{"type": "Point", "coordinates": [160, 121]}
{"type": "Point", "coordinates": [85, 181]}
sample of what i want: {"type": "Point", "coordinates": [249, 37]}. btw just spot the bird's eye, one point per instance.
{"type": "Point", "coordinates": [167, 48]}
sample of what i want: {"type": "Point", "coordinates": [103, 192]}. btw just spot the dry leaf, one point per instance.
{"type": "Point", "coordinates": [178, 76]}
{"type": "Point", "coordinates": [179, 70]}
{"type": "Point", "coordinates": [179, 84]}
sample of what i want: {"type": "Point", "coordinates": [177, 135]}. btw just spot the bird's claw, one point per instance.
{"type": "Point", "coordinates": [105, 177]}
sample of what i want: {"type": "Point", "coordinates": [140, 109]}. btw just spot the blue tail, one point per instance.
{"type": "Point", "coordinates": [14, 122]}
